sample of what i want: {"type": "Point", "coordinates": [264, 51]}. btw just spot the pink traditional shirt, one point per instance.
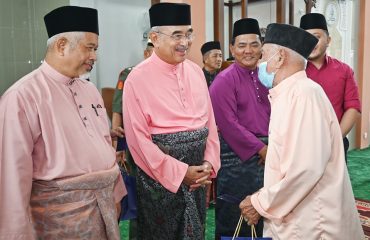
{"type": "Point", "coordinates": [52, 127]}
{"type": "Point", "coordinates": [307, 192]}
{"type": "Point", "coordinates": [163, 98]}
{"type": "Point", "coordinates": [337, 80]}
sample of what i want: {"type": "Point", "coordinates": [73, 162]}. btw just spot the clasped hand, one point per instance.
{"type": "Point", "coordinates": [198, 176]}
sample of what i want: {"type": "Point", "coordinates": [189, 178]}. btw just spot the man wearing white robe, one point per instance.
{"type": "Point", "coordinates": [307, 192]}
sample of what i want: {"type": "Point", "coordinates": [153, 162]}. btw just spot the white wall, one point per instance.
{"type": "Point", "coordinates": [209, 21]}
{"type": "Point", "coordinates": [121, 44]}
{"type": "Point", "coordinates": [342, 21]}
{"type": "Point", "coordinates": [263, 11]}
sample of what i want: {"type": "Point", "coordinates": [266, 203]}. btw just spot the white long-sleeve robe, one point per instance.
{"type": "Point", "coordinates": [307, 192]}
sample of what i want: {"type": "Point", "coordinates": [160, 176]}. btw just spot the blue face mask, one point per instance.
{"type": "Point", "coordinates": [266, 78]}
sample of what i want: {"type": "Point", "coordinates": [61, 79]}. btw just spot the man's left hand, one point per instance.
{"type": "Point", "coordinates": [117, 132]}
{"type": "Point", "coordinates": [249, 212]}
{"type": "Point", "coordinates": [205, 180]}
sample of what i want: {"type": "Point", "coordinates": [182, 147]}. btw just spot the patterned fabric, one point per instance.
{"type": "Point", "coordinates": [166, 215]}
{"type": "Point", "coordinates": [76, 208]}
{"type": "Point", "coordinates": [52, 127]}
{"type": "Point", "coordinates": [236, 180]}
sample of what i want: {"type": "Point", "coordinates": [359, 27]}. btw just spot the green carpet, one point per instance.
{"type": "Point", "coordinates": [359, 171]}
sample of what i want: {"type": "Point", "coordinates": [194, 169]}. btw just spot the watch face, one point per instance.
{"type": "Point", "coordinates": [331, 13]}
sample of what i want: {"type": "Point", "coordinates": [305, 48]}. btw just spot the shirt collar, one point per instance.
{"type": "Point", "coordinates": [245, 70]}
{"type": "Point", "coordinates": [286, 84]}
{"type": "Point", "coordinates": [57, 76]}
{"type": "Point", "coordinates": [164, 65]}
{"type": "Point", "coordinates": [209, 73]}
{"type": "Point", "coordinates": [326, 60]}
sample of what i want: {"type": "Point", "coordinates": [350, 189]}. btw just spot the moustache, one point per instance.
{"type": "Point", "coordinates": [181, 48]}
{"type": "Point", "coordinates": [91, 63]}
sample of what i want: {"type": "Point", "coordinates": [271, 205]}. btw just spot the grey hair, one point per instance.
{"type": "Point", "coordinates": [72, 37]}
{"type": "Point", "coordinates": [296, 57]}
{"type": "Point", "coordinates": [155, 29]}
{"type": "Point", "coordinates": [206, 55]}
{"type": "Point", "coordinates": [293, 55]}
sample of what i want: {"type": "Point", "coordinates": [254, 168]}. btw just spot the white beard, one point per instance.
{"type": "Point", "coordinates": [85, 76]}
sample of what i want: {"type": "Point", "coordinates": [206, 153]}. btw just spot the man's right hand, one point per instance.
{"type": "Point", "coordinates": [262, 153]}
{"type": "Point", "coordinates": [197, 176]}
{"type": "Point", "coordinates": [121, 157]}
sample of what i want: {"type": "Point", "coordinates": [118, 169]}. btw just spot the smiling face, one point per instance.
{"type": "Point", "coordinates": [247, 50]}
{"type": "Point", "coordinates": [172, 43]}
{"type": "Point", "coordinates": [324, 40]}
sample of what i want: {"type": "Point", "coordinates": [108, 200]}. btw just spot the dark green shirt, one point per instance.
{"type": "Point", "coordinates": [117, 98]}
{"type": "Point", "coordinates": [209, 76]}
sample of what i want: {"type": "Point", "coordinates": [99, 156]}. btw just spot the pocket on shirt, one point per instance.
{"type": "Point", "coordinates": [103, 124]}
{"type": "Point", "coordinates": [102, 112]}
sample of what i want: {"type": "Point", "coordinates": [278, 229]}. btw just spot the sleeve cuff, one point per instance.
{"type": "Point", "coordinates": [256, 204]}
{"type": "Point", "coordinates": [173, 184]}
{"type": "Point", "coordinates": [352, 104]}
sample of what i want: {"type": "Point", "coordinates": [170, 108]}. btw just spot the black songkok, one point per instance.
{"type": "Point", "coordinates": [71, 19]}
{"type": "Point", "coordinates": [170, 14]}
{"type": "Point", "coordinates": [291, 37]}
{"type": "Point", "coordinates": [246, 26]}
{"type": "Point", "coordinates": [208, 46]}
{"type": "Point", "coordinates": [313, 21]}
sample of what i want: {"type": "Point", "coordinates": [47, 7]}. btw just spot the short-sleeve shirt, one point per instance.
{"type": "Point", "coordinates": [117, 98]}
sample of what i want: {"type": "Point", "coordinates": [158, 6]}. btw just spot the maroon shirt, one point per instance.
{"type": "Point", "coordinates": [337, 80]}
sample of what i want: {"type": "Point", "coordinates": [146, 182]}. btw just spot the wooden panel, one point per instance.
{"type": "Point", "coordinates": [218, 22]}
{"type": "Point", "coordinates": [107, 94]}
{"type": "Point", "coordinates": [309, 5]}
{"type": "Point", "coordinates": [363, 74]}
{"type": "Point", "coordinates": [231, 22]}
{"type": "Point", "coordinates": [291, 12]}
{"type": "Point", "coordinates": [244, 8]}
{"type": "Point", "coordinates": [280, 11]}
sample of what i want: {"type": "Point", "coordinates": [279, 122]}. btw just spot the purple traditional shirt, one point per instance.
{"type": "Point", "coordinates": [242, 109]}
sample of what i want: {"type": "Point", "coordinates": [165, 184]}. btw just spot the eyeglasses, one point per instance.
{"type": "Point", "coordinates": [178, 37]}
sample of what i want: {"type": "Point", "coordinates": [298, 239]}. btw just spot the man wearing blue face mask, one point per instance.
{"type": "Point", "coordinates": [265, 77]}
{"type": "Point", "coordinates": [242, 113]}
{"type": "Point", "coordinates": [307, 192]}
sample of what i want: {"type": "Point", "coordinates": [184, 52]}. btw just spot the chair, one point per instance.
{"type": "Point", "coordinates": [107, 94]}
